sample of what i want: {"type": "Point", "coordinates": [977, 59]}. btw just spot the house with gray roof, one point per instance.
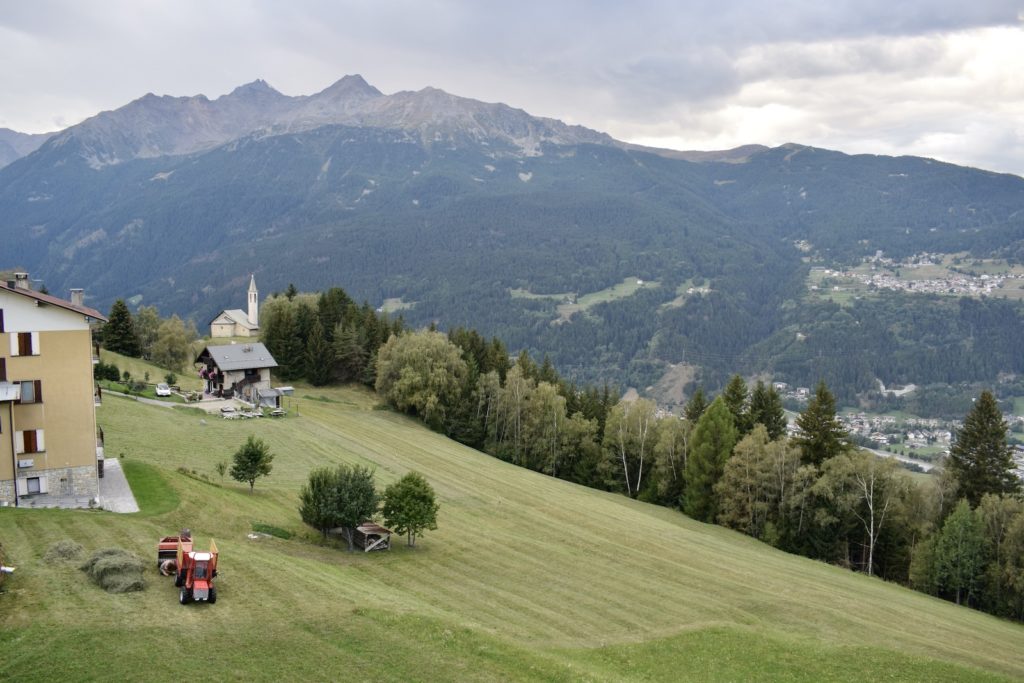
{"type": "Point", "coordinates": [237, 370]}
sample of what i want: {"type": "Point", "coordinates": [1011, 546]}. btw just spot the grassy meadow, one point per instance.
{"type": "Point", "coordinates": [627, 288]}
{"type": "Point", "coordinates": [527, 578]}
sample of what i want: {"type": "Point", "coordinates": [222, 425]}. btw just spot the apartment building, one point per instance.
{"type": "Point", "coordinates": [48, 445]}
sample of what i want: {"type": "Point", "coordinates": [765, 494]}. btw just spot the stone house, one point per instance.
{"type": "Point", "coordinates": [236, 370]}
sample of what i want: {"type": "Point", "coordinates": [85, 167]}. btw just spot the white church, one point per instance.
{"type": "Point", "coordinates": [235, 322]}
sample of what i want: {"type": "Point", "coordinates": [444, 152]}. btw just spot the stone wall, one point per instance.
{"type": "Point", "coordinates": [65, 482]}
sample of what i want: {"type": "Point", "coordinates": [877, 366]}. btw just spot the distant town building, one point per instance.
{"type": "Point", "coordinates": [48, 437]}
{"type": "Point", "coordinates": [235, 322]}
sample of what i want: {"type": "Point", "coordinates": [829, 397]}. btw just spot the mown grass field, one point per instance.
{"type": "Point", "coordinates": [627, 288]}
{"type": "Point", "coordinates": [527, 578]}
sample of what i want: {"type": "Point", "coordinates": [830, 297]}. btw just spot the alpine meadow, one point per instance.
{"type": "Point", "coordinates": [575, 342]}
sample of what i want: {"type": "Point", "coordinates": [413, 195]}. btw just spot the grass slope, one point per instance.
{"type": "Point", "coordinates": [527, 578]}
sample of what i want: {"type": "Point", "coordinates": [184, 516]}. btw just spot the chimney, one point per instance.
{"type": "Point", "coordinates": [21, 281]}
{"type": "Point", "coordinates": [78, 297]}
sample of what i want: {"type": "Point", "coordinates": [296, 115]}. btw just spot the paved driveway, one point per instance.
{"type": "Point", "coordinates": [115, 494]}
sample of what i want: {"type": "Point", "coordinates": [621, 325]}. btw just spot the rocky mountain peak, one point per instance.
{"type": "Point", "coordinates": [352, 85]}
{"type": "Point", "coordinates": [257, 88]}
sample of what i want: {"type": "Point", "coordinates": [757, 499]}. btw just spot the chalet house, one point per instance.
{"type": "Point", "coordinates": [235, 322]}
{"type": "Point", "coordinates": [237, 370]}
{"type": "Point", "coordinates": [48, 445]}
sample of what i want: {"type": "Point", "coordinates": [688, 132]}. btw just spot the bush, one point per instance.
{"type": "Point", "coordinates": [107, 371]}
{"type": "Point", "coordinates": [62, 551]}
{"type": "Point", "coordinates": [115, 570]}
{"type": "Point", "coordinates": [271, 530]}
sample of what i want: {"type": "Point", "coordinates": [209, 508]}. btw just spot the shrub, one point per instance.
{"type": "Point", "coordinates": [115, 570]}
{"type": "Point", "coordinates": [63, 550]}
{"type": "Point", "coordinates": [271, 530]}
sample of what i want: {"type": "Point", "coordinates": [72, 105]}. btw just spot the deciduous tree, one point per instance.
{"type": "Point", "coordinates": [960, 553]}
{"type": "Point", "coordinates": [357, 498]}
{"type": "Point", "coordinates": [172, 347]}
{"type": "Point", "coordinates": [421, 372]}
{"type": "Point", "coordinates": [410, 506]}
{"type": "Point", "coordinates": [252, 461]}
{"type": "Point", "coordinates": [318, 500]}
{"type": "Point", "coordinates": [866, 487]}
{"type": "Point", "coordinates": [629, 438]}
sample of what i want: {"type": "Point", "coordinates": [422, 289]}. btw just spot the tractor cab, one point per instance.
{"type": "Point", "coordinates": [195, 573]}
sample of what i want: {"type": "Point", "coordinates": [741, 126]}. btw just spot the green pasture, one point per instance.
{"type": "Point", "coordinates": [527, 578]}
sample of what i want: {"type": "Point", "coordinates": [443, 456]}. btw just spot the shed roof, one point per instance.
{"type": "Point", "coordinates": [230, 357]}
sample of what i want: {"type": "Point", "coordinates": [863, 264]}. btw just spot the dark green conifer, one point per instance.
{"type": "Point", "coordinates": [981, 458]}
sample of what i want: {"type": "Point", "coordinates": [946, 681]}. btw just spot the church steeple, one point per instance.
{"type": "Point", "coordinates": [254, 302]}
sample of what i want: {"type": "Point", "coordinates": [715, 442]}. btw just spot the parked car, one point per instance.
{"type": "Point", "coordinates": [163, 390]}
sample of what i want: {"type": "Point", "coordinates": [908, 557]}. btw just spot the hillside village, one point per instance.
{"type": "Point", "coordinates": [889, 274]}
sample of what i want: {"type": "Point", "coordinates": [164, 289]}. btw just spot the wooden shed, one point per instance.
{"type": "Point", "coordinates": [372, 536]}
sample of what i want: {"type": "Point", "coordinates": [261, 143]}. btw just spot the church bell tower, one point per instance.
{"type": "Point", "coordinates": [254, 302]}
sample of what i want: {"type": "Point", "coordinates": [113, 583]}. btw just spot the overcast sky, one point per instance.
{"type": "Point", "coordinates": [937, 78]}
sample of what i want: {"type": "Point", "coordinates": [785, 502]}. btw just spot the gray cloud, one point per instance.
{"type": "Point", "coordinates": [902, 76]}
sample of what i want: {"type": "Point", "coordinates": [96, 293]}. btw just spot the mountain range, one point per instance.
{"type": "Point", "coordinates": [469, 213]}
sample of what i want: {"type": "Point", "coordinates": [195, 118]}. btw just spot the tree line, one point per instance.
{"type": "Point", "coordinates": [166, 342]}
{"type": "Point", "coordinates": [730, 461]}
{"type": "Point", "coordinates": [324, 337]}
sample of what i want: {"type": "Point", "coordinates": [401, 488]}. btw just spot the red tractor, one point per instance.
{"type": "Point", "coordinates": [193, 571]}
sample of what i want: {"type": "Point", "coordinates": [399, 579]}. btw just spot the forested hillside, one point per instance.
{"type": "Point", "coordinates": [481, 216]}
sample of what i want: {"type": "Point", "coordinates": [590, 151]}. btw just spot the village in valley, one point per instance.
{"type": "Point", "coordinates": [925, 273]}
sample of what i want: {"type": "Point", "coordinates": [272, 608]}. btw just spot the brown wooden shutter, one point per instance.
{"type": "Point", "coordinates": [3, 369]}
{"type": "Point", "coordinates": [30, 441]}
{"type": "Point", "coordinates": [39, 390]}
{"type": "Point", "coordinates": [24, 343]}
{"type": "Point", "coordinates": [1, 320]}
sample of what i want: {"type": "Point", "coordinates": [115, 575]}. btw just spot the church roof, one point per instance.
{"type": "Point", "coordinates": [237, 316]}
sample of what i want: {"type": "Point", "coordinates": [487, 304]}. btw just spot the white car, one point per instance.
{"type": "Point", "coordinates": [163, 390]}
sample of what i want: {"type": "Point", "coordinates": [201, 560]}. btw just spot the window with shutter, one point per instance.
{"type": "Point", "coordinates": [24, 343]}
{"type": "Point", "coordinates": [3, 369]}
{"type": "Point", "coordinates": [1, 320]}
{"type": "Point", "coordinates": [29, 441]}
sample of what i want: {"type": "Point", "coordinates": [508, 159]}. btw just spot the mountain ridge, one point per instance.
{"type": "Point", "coordinates": [461, 206]}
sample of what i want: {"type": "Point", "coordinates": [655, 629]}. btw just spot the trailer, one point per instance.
{"type": "Point", "coordinates": [167, 551]}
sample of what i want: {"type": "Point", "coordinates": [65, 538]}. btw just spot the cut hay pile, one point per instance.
{"type": "Point", "coordinates": [62, 551]}
{"type": "Point", "coordinates": [115, 570]}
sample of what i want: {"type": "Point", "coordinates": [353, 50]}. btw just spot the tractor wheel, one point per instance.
{"type": "Point", "coordinates": [213, 595]}
{"type": "Point", "coordinates": [185, 596]}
